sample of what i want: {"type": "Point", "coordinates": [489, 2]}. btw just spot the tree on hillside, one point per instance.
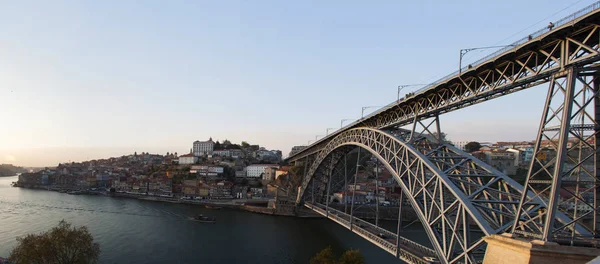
{"type": "Point", "coordinates": [352, 256]}
{"type": "Point", "coordinates": [472, 146]}
{"type": "Point", "coordinates": [444, 137]}
{"type": "Point", "coordinates": [325, 256]}
{"type": "Point", "coordinates": [245, 144]}
{"type": "Point", "coordinates": [63, 244]}
{"type": "Point", "coordinates": [244, 181]}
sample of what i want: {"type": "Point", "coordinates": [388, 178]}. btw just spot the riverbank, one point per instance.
{"type": "Point", "coordinates": [259, 206]}
{"type": "Point", "coordinates": [136, 231]}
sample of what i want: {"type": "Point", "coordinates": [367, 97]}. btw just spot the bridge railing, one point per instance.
{"type": "Point", "coordinates": [570, 18]}
{"type": "Point", "coordinates": [379, 229]}
{"type": "Point", "coordinates": [391, 248]}
{"type": "Point", "coordinates": [387, 244]}
{"type": "Point", "coordinates": [402, 240]}
{"type": "Point", "coordinates": [565, 20]}
{"type": "Point", "coordinates": [359, 223]}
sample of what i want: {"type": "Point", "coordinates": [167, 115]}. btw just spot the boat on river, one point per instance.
{"type": "Point", "coordinates": [212, 207]}
{"type": "Point", "coordinates": [204, 219]}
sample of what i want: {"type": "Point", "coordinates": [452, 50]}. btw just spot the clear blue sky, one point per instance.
{"type": "Point", "coordinates": [91, 79]}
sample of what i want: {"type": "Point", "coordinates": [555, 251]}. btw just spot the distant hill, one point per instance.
{"type": "Point", "coordinates": [10, 170]}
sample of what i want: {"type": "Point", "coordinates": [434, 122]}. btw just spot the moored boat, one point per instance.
{"type": "Point", "coordinates": [204, 219]}
{"type": "Point", "coordinates": [212, 207]}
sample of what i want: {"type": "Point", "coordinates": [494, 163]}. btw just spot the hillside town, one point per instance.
{"type": "Point", "coordinates": [211, 170]}
{"type": "Point", "coordinates": [223, 171]}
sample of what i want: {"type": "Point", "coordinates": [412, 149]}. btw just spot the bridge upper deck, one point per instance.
{"type": "Point", "coordinates": [572, 41]}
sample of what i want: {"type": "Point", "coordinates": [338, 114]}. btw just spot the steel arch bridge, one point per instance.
{"type": "Point", "coordinates": [458, 198]}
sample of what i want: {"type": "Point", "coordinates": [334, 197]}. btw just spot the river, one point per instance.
{"type": "Point", "coordinates": [135, 231]}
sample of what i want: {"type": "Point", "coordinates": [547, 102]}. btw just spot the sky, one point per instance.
{"type": "Point", "coordinates": [84, 80]}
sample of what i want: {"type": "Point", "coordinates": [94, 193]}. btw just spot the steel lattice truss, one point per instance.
{"type": "Point", "coordinates": [527, 65]}
{"type": "Point", "coordinates": [520, 70]}
{"type": "Point", "coordinates": [563, 171]}
{"type": "Point", "coordinates": [458, 198]}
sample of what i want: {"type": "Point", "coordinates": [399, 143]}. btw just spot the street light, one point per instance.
{"type": "Point", "coordinates": [465, 51]}
{"type": "Point", "coordinates": [400, 87]}
{"type": "Point", "coordinates": [362, 113]}
{"type": "Point", "coordinates": [342, 122]}
{"type": "Point", "coordinates": [327, 133]}
{"type": "Point", "coordinates": [317, 137]}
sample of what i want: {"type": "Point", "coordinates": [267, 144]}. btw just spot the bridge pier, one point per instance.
{"type": "Point", "coordinates": [507, 249]}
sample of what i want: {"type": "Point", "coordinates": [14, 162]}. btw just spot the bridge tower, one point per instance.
{"type": "Point", "coordinates": [564, 167]}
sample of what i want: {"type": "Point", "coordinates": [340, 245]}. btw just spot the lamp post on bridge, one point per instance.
{"type": "Point", "coordinates": [465, 51]}
{"type": "Point", "coordinates": [362, 113]}
{"type": "Point", "coordinates": [342, 122]}
{"type": "Point", "coordinates": [400, 87]}
{"type": "Point", "coordinates": [327, 133]}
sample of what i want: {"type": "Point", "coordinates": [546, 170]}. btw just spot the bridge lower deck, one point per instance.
{"type": "Point", "coordinates": [409, 251]}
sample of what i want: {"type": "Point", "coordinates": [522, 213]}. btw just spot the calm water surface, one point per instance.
{"type": "Point", "coordinates": [134, 231]}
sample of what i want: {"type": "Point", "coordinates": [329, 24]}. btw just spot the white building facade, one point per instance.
{"type": "Point", "coordinates": [203, 148]}
{"type": "Point", "coordinates": [207, 170]}
{"type": "Point", "coordinates": [256, 170]}
{"type": "Point", "coordinates": [187, 159]}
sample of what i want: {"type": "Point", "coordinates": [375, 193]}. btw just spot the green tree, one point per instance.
{"type": "Point", "coordinates": [245, 144]}
{"type": "Point", "coordinates": [472, 146]}
{"type": "Point", "coordinates": [244, 181]}
{"type": "Point", "coordinates": [443, 136]}
{"type": "Point", "coordinates": [352, 256]}
{"type": "Point", "coordinates": [229, 173]}
{"type": "Point", "coordinates": [63, 244]}
{"type": "Point", "coordinates": [324, 257]}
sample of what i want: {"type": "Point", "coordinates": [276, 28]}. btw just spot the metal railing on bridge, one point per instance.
{"type": "Point", "coordinates": [531, 37]}
{"type": "Point", "coordinates": [410, 251]}
{"type": "Point", "coordinates": [514, 45]}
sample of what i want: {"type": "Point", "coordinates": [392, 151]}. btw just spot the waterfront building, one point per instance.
{"type": "Point", "coordinates": [220, 190]}
{"type": "Point", "coordinates": [282, 171]}
{"type": "Point", "coordinates": [188, 159]}
{"type": "Point", "coordinates": [502, 160]}
{"type": "Point", "coordinates": [207, 170]}
{"type": "Point", "coordinates": [256, 170]}
{"type": "Point", "coordinates": [269, 174]}
{"type": "Point", "coordinates": [268, 155]}
{"type": "Point", "coordinates": [236, 153]}
{"type": "Point", "coordinates": [240, 173]}
{"type": "Point", "coordinates": [222, 153]}
{"type": "Point", "coordinates": [359, 197]}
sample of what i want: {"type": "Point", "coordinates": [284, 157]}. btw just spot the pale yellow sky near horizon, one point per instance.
{"type": "Point", "coordinates": [90, 80]}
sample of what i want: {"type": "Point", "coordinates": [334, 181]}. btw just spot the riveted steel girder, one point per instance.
{"type": "Point", "coordinates": [458, 198]}
{"type": "Point", "coordinates": [529, 64]}
{"type": "Point", "coordinates": [563, 170]}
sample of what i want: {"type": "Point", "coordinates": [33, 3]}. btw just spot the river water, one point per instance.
{"type": "Point", "coordinates": [135, 231]}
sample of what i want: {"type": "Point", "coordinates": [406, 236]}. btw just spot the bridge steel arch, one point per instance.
{"type": "Point", "coordinates": [458, 198]}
